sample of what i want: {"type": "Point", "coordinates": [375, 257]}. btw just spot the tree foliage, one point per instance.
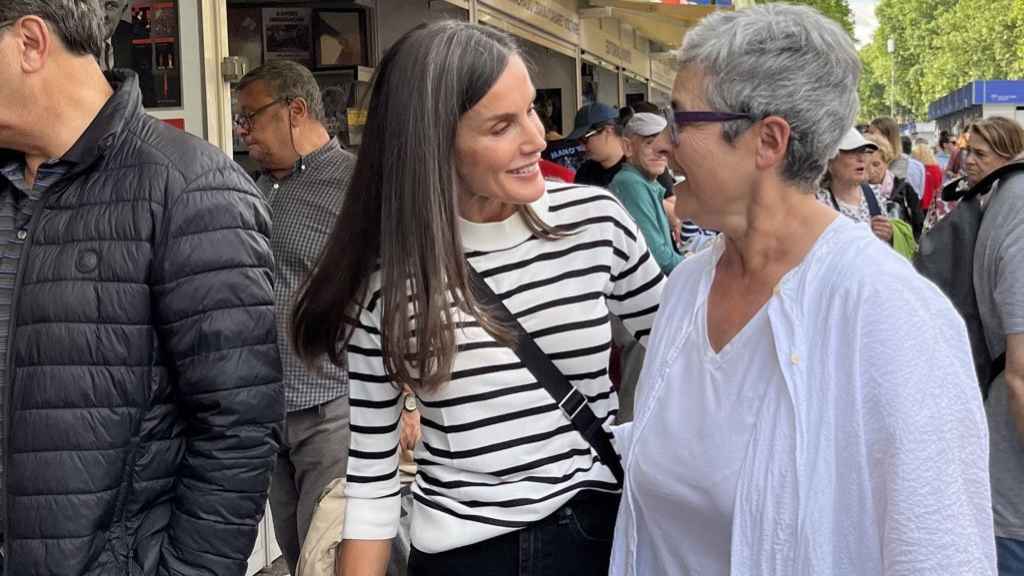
{"type": "Point", "coordinates": [838, 10]}
{"type": "Point", "coordinates": [940, 46]}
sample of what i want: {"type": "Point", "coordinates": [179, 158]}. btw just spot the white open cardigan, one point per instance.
{"type": "Point", "coordinates": [874, 458]}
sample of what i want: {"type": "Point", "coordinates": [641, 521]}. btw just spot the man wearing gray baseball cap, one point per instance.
{"type": "Point", "coordinates": [636, 186]}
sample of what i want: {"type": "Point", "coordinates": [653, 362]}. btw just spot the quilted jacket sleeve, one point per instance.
{"type": "Point", "coordinates": [215, 309]}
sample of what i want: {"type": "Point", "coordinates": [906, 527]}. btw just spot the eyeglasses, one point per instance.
{"type": "Point", "coordinates": [245, 121]}
{"type": "Point", "coordinates": [590, 134]}
{"type": "Point", "coordinates": [7, 23]}
{"type": "Point", "coordinates": [678, 119]}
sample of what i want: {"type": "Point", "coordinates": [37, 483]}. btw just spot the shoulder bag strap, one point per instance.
{"type": "Point", "coordinates": [835, 204]}
{"type": "Point", "coordinates": [570, 400]}
{"type": "Point", "coordinates": [873, 207]}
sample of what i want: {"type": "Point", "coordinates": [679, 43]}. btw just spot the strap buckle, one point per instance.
{"type": "Point", "coordinates": [573, 402]}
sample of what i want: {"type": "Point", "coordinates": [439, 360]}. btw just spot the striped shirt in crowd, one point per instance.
{"type": "Point", "coordinates": [17, 200]}
{"type": "Point", "coordinates": [497, 453]}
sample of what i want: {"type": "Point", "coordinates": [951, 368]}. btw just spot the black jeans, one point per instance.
{"type": "Point", "coordinates": [576, 540]}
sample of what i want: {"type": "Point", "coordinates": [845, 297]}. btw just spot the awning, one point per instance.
{"type": "Point", "coordinates": [663, 23]}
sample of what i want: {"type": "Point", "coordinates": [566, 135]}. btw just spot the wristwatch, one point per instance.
{"type": "Point", "coordinates": [409, 403]}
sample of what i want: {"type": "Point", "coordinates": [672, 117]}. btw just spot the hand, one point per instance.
{"type": "Point", "coordinates": [882, 228]}
{"type": "Point", "coordinates": [410, 434]}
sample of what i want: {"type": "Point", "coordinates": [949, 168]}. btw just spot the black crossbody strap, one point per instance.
{"type": "Point", "coordinates": [869, 195]}
{"type": "Point", "coordinates": [570, 400]}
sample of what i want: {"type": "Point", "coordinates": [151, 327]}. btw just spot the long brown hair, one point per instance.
{"type": "Point", "coordinates": [401, 210]}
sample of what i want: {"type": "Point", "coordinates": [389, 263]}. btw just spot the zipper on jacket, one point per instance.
{"type": "Point", "coordinates": [9, 399]}
{"type": "Point", "coordinates": [19, 277]}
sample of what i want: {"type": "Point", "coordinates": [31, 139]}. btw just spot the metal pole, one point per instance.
{"type": "Point", "coordinates": [891, 48]}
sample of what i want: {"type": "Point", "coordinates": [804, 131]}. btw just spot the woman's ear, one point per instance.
{"type": "Point", "coordinates": [772, 142]}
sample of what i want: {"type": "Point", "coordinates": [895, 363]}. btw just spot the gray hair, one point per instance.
{"type": "Point", "coordinates": [289, 80]}
{"type": "Point", "coordinates": [780, 60]}
{"type": "Point", "coordinates": [80, 24]}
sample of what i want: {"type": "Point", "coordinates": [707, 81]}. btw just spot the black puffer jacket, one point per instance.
{"type": "Point", "coordinates": [146, 400]}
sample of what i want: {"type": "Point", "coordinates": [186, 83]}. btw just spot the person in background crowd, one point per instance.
{"type": "Point", "coordinates": [999, 289]}
{"type": "Point", "coordinates": [955, 168]}
{"type": "Point", "coordinates": [140, 383]}
{"type": "Point", "coordinates": [992, 143]}
{"type": "Point", "coordinates": [637, 187]}
{"type": "Point", "coordinates": [666, 179]}
{"type": "Point", "coordinates": [597, 127]}
{"type": "Point", "coordinates": [775, 433]}
{"type": "Point", "coordinates": [687, 237]}
{"type": "Point", "coordinates": [505, 483]}
{"type": "Point", "coordinates": [903, 166]}
{"type": "Point", "coordinates": [945, 149]}
{"type": "Point", "coordinates": [933, 174]}
{"type": "Point", "coordinates": [844, 186]}
{"type": "Point", "coordinates": [894, 194]}
{"type": "Point", "coordinates": [304, 174]}
{"type": "Point", "coordinates": [879, 177]}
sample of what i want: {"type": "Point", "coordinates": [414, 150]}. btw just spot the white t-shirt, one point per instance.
{"type": "Point", "coordinates": [685, 487]}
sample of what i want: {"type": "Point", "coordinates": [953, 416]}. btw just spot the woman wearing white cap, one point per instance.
{"type": "Point", "coordinates": [845, 187]}
{"type": "Point", "coordinates": [636, 186]}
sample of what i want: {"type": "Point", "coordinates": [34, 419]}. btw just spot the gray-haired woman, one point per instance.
{"type": "Point", "coordinates": [447, 186]}
{"type": "Point", "coordinates": [788, 422]}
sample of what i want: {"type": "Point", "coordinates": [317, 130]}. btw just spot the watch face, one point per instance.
{"type": "Point", "coordinates": [410, 402]}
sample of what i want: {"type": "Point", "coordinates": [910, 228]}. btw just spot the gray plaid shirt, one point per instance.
{"type": "Point", "coordinates": [304, 207]}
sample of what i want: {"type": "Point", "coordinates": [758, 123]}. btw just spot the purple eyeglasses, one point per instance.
{"type": "Point", "coordinates": [676, 119]}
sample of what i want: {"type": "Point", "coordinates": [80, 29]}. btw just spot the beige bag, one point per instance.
{"type": "Point", "coordinates": [321, 544]}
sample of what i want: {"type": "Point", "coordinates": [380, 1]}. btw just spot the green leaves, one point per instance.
{"type": "Point", "coordinates": [838, 10]}
{"type": "Point", "coordinates": [940, 46]}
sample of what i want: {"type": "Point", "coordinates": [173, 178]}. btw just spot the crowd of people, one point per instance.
{"type": "Point", "coordinates": [712, 349]}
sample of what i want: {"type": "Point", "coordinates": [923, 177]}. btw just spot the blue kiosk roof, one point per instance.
{"type": "Point", "coordinates": [977, 93]}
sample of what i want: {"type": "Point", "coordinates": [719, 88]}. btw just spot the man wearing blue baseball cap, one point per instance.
{"type": "Point", "coordinates": [597, 127]}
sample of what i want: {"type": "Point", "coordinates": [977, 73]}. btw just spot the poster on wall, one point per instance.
{"type": "Point", "coordinates": [287, 34]}
{"type": "Point", "coordinates": [549, 110]}
{"type": "Point", "coordinates": [568, 153]}
{"type": "Point", "coordinates": [340, 39]}
{"type": "Point", "coordinates": [147, 43]}
{"type": "Point", "coordinates": [245, 38]}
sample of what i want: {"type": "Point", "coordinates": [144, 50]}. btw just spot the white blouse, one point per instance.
{"type": "Point", "coordinates": [855, 465]}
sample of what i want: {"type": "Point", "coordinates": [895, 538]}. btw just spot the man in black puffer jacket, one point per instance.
{"type": "Point", "coordinates": [140, 391]}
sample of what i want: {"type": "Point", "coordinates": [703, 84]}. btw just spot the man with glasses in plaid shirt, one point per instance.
{"type": "Point", "coordinates": [304, 174]}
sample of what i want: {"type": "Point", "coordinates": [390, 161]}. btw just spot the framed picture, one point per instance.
{"type": "Point", "coordinates": [549, 109]}
{"type": "Point", "coordinates": [148, 44]}
{"type": "Point", "coordinates": [287, 34]}
{"type": "Point", "coordinates": [340, 39]}
{"type": "Point", "coordinates": [245, 34]}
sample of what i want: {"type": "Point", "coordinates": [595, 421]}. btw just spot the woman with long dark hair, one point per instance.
{"type": "Point", "coordinates": [448, 223]}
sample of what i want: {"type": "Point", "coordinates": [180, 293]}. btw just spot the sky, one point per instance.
{"type": "Point", "coordinates": [864, 21]}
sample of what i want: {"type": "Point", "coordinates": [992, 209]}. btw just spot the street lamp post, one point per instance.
{"type": "Point", "coordinates": [890, 47]}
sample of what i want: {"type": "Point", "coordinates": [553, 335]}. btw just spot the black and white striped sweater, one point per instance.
{"type": "Point", "coordinates": [496, 452]}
